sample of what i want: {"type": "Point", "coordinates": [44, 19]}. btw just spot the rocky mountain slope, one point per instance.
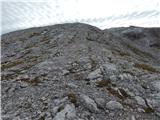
{"type": "Point", "coordinates": [78, 72]}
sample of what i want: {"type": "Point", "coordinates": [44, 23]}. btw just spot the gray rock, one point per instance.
{"type": "Point", "coordinates": [100, 102]}
{"type": "Point", "coordinates": [156, 95]}
{"type": "Point", "coordinates": [154, 103]}
{"type": "Point", "coordinates": [109, 69]}
{"type": "Point", "coordinates": [65, 72]}
{"type": "Point", "coordinates": [69, 112]}
{"type": "Point", "coordinates": [129, 92]}
{"type": "Point", "coordinates": [133, 117]}
{"type": "Point", "coordinates": [125, 76]}
{"type": "Point", "coordinates": [113, 78]}
{"type": "Point", "coordinates": [140, 101]}
{"type": "Point", "coordinates": [156, 85]}
{"type": "Point", "coordinates": [89, 103]}
{"type": "Point", "coordinates": [114, 105]}
{"type": "Point", "coordinates": [95, 74]}
{"type": "Point", "coordinates": [72, 85]}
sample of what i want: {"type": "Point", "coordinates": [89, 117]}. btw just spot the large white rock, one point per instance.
{"type": "Point", "coordinates": [110, 66]}
{"type": "Point", "coordinates": [69, 112]}
{"type": "Point", "coordinates": [95, 74]}
{"type": "Point", "coordinates": [109, 69]}
{"type": "Point", "coordinates": [100, 102]}
{"type": "Point", "coordinates": [114, 105]}
{"type": "Point", "coordinates": [140, 101]}
{"type": "Point", "coordinates": [89, 103]}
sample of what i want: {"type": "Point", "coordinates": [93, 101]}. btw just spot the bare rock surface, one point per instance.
{"type": "Point", "coordinates": [114, 105]}
{"type": "Point", "coordinates": [89, 103]}
{"type": "Point", "coordinates": [77, 71]}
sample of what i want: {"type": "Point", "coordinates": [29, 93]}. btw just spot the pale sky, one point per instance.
{"type": "Point", "coordinates": [20, 14]}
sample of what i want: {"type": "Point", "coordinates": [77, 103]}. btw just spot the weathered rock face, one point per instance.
{"type": "Point", "coordinates": [77, 71]}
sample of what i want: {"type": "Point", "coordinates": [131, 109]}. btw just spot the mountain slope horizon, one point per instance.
{"type": "Point", "coordinates": [76, 71]}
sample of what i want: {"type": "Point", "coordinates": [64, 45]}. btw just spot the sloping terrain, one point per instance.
{"type": "Point", "coordinates": [78, 72]}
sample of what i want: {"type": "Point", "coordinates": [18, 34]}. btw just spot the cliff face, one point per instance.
{"type": "Point", "coordinates": [79, 72]}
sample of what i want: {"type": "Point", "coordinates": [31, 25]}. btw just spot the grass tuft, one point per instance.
{"type": "Point", "coordinates": [145, 67]}
{"type": "Point", "coordinates": [103, 83]}
{"type": "Point", "coordinates": [72, 98]}
{"type": "Point", "coordinates": [148, 110]}
{"type": "Point", "coordinates": [11, 64]}
{"type": "Point", "coordinates": [60, 108]}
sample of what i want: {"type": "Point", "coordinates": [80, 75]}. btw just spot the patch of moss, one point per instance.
{"type": "Point", "coordinates": [123, 93]}
{"type": "Point", "coordinates": [42, 117]}
{"type": "Point", "coordinates": [8, 77]}
{"type": "Point", "coordinates": [94, 63]}
{"type": "Point", "coordinates": [120, 93]}
{"type": "Point", "coordinates": [72, 98]}
{"type": "Point", "coordinates": [34, 34]}
{"type": "Point", "coordinates": [145, 67]}
{"type": "Point", "coordinates": [114, 92]}
{"type": "Point", "coordinates": [148, 110]}
{"type": "Point", "coordinates": [10, 64]}
{"type": "Point", "coordinates": [60, 108]}
{"type": "Point", "coordinates": [103, 83]}
{"type": "Point", "coordinates": [35, 81]}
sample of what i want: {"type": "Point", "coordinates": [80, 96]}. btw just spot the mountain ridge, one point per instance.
{"type": "Point", "coordinates": [76, 71]}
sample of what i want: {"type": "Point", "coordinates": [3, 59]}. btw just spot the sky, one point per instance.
{"type": "Point", "coordinates": [21, 14]}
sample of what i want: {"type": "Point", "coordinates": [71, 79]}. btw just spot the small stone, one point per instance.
{"type": "Point", "coordinates": [72, 85]}
{"type": "Point", "coordinates": [114, 105]}
{"type": "Point", "coordinates": [113, 78]}
{"type": "Point", "coordinates": [153, 103]}
{"type": "Point", "coordinates": [125, 76]}
{"type": "Point", "coordinates": [43, 98]}
{"type": "Point", "coordinates": [94, 75]}
{"type": "Point", "coordinates": [156, 85]}
{"type": "Point", "coordinates": [80, 119]}
{"type": "Point", "coordinates": [100, 102]}
{"type": "Point", "coordinates": [69, 112]}
{"type": "Point", "coordinates": [109, 69]}
{"type": "Point", "coordinates": [55, 109]}
{"type": "Point", "coordinates": [140, 101]}
{"type": "Point", "coordinates": [140, 110]}
{"type": "Point", "coordinates": [111, 114]}
{"type": "Point", "coordinates": [133, 117]}
{"type": "Point", "coordinates": [89, 103]}
{"type": "Point", "coordinates": [65, 72]}
{"type": "Point", "coordinates": [109, 66]}
{"type": "Point", "coordinates": [129, 92]}
{"type": "Point", "coordinates": [85, 114]}
{"type": "Point", "coordinates": [156, 95]}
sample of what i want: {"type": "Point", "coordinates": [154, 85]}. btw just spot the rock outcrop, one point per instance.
{"type": "Point", "coordinates": [76, 71]}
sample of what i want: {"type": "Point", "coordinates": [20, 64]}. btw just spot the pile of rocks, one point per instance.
{"type": "Point", "coordinates": [78, 72]}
